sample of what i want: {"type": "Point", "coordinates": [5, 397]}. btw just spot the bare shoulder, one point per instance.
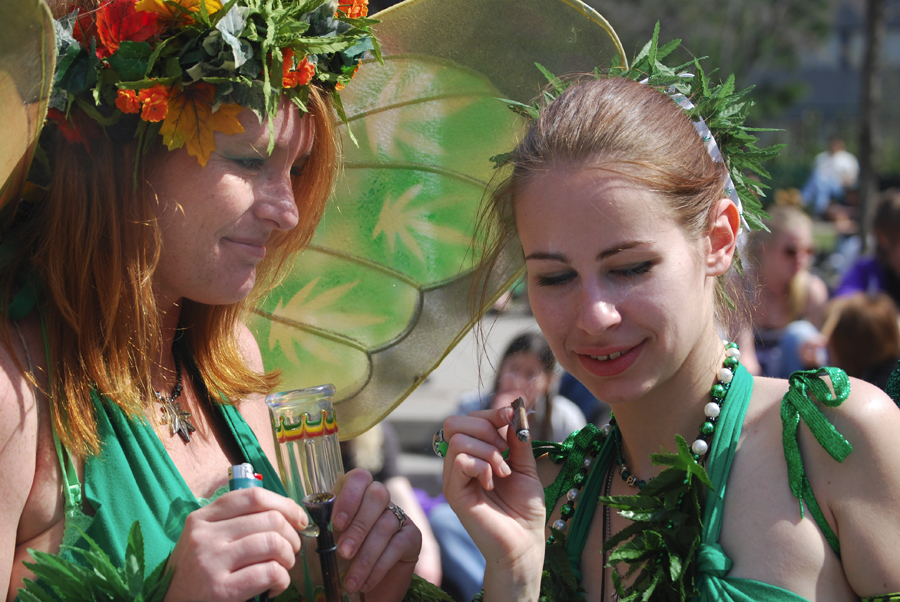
{"type": "Point", "coordinates": [861, 492]}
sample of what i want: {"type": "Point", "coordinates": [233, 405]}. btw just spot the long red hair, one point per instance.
{"type": "Point", "coordinates": [91, 243]}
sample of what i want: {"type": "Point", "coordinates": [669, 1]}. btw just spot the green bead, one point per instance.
{"type": "Point", "coordinates": [596, 444]}
{"type": "Point", "coordinates": [567, 511]}
{"type": "Point", "coordinates": [707, 428]}
{"type": "Point", "coordinates": [543, 599]}
{"type": "Point", "coordinates": [551, 540]}
{"type": "Point", "coordinates": [718, 390]}
{"type": "Point", "coordinates": [696, 457]}
{"type": "Point", "coordinates": [731, 362]}
{"type": "Point", "coordinates": [731, 345]}
{"type": "Point", "coordinates": [579, 479]}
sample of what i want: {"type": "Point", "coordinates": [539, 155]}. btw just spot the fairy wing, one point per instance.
{"type": "Point", "coordinates": [27, 57]}
{"type": "Point", "coordinates": [385, 289]}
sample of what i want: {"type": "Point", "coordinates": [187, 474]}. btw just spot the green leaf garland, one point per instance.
{"type": "Point", "coordinates": [661, 545]}
{"type": "Point", "coordinates": [63, 580]}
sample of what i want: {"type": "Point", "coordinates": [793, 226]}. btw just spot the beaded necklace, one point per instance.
{"type": "Point", "coordinates": [699, 447]}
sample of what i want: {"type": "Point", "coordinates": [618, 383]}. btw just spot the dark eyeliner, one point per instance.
{"type": "Point", "coordinates": [555, 280]}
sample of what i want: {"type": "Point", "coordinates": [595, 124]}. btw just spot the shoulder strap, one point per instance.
{"type": "Point", "coordinates": [72, 487]}
{"type": "Point", "coordinates": [798, 403]}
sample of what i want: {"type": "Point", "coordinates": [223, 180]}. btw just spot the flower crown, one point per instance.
{"type": "Point", "coordinates": [184, 69]}
{"type": "Point", "coordinates": [717, 111]}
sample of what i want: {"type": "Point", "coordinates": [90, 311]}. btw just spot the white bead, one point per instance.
{"type": "Point", "coordinates": [725, 375]}
{"type": "Point", "coordinates": [572, 495]}
{"type": "Point", "coordinates": [560, 525]}
{"type": "Point", "coordinates": [712, 410]}
{"type": "Point", "coordinates": [733, 352]}
{"type": "Point", "coordinates": [605, 429]}
{"type": "Point", "coordinates": [725, 341]}
{"type": "Point", "coordinates": [587, 462]}
{"type": "Point", "coordinates": [699, 447]}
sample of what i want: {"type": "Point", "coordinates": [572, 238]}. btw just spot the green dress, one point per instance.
{"type": "Point", "coordinates": [713, 564]}
{"type": "Point", "coordinates": [133, 478]}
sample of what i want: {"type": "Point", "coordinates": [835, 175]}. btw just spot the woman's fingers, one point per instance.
{"type": "Point", "coordinates": [382, 547]}
{"type": "Point", "coordinates": [371, 508]}
{"type": "Point", "coordinates": [251, 501]}
{"type": "Point", "coordinates": [403, 550]}
{"type": "Point", "coordinates": [353, 491]}
{"type": "Point", "coordinates": [475, 445]}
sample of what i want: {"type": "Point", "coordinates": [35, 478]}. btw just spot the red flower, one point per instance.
{"type": "Point", "coordinates": [155, 102]}
{"type": "Point", "coordinates": [300, 75]}
{"type": "Point", "coordinates": [353, 9]}
{"type": "Point", "coordinates": [128, 102]}
{"type": "Point", "coordinates": [76, 129]}
{"type": "Point", "coordinates": [118, 21]}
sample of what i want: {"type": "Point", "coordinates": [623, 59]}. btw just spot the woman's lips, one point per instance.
{"type": "Point", "coordinates": [611, 364]}
{"type": "Point", "coordinates": [253, 248]}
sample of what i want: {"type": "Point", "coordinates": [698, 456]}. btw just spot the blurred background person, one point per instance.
{"type": "Point", "coordinates": [862, 336]}
{"type": "Point", "coordinates": [835, 172]}
{"type": "Point", "coordinates": [528, 370]}
{"type": "Point", "coordinates": [788, 300]}
{"type": "Point", "coordinates": [880, 272]}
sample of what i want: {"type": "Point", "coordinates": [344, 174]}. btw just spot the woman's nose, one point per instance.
{"type": "Point", "coordinates": [597, 313]}
{"type": "Point", "coordinates": [278, 204]}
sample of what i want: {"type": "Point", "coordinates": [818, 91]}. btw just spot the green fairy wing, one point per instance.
{"type": "Point", "coordinates": [27, 57]}
{"type": "Point", "coordinates": [385, 289]}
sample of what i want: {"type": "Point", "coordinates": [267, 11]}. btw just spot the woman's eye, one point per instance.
{"type": "Point", "coordinates": [249, 164]}
{"type": "Point", "coordinates": [555, 280]}
{"type": "Point", "coordinates": [634, 270]}
{"type": "Point", "coordinates": [297, 171]}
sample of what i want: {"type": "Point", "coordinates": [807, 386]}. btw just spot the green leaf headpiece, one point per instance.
{"type": "Point", "coordinates": [717, 111]}
{"type": "Point", "coordinates": [184, 69]}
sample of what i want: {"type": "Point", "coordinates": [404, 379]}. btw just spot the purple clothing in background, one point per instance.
{"type": "Point", "coordinates": [865, 276]}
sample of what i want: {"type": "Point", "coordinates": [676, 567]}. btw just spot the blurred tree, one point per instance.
{"type": "Point", "coordinates": [744, 37]}
{"type": "Point", "coordinates": [870, 103]}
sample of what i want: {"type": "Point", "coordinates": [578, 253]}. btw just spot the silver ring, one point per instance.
{"type": "Point", "coordinates": [398, 512]}
{"type": "Point", "coordinates": [438, 444]}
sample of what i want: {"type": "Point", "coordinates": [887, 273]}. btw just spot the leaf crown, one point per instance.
{"type": "Point", "coordinates": [718, 112]}
{"type": "Point", "coordinates": [184, 69]}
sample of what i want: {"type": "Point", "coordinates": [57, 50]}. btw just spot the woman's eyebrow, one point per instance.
{"type": "Point", "coordinates": [623, 247]}
{"type": "Point", "coordinates": [544, 256]}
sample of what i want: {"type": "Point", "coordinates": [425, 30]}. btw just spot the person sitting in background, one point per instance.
{"type": "Point", "coordinates": [835, 171]}
{"type": "Point", "coordinates": [862, 335]}
{"type": "Point", "coordinates": [788, 300]}
{"type": "Point", "coordinates": [882, 271]}
{"type": "Point", "coordinates": [528, 370]}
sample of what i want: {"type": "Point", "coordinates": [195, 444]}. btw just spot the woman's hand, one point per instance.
{"type": "Point", "coordinates": [500, 502]}
{"type": "Point", "coordinates": [236, 548]}
{"type": "Point", "coordinates": [383, 552]}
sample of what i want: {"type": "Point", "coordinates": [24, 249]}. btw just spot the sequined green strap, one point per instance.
{"type": "Point", "coordinates": [571, 452]}
{"type": "Point", "coordinates": [883, 598]}
{"type": "Point", "coordinates": [798, 403]}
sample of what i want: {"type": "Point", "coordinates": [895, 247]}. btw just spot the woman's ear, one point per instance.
{"type": "Point", "coordinates": [722, 237]}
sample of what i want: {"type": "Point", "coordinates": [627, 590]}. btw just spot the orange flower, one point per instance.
{"type": "Point", "coordinates": [300, 75]}
{"type": "Point", "coordinates": [353, 9]}
{"type": "Point", "coordinates": [155, 102]}
{"type": "Point", "coordinates": [127, 101]}
{"type": "Point", "coordinates": [340, 86]}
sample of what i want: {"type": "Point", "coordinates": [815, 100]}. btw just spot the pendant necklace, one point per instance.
{"type": "Point", "coordinates": [178, 419]}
